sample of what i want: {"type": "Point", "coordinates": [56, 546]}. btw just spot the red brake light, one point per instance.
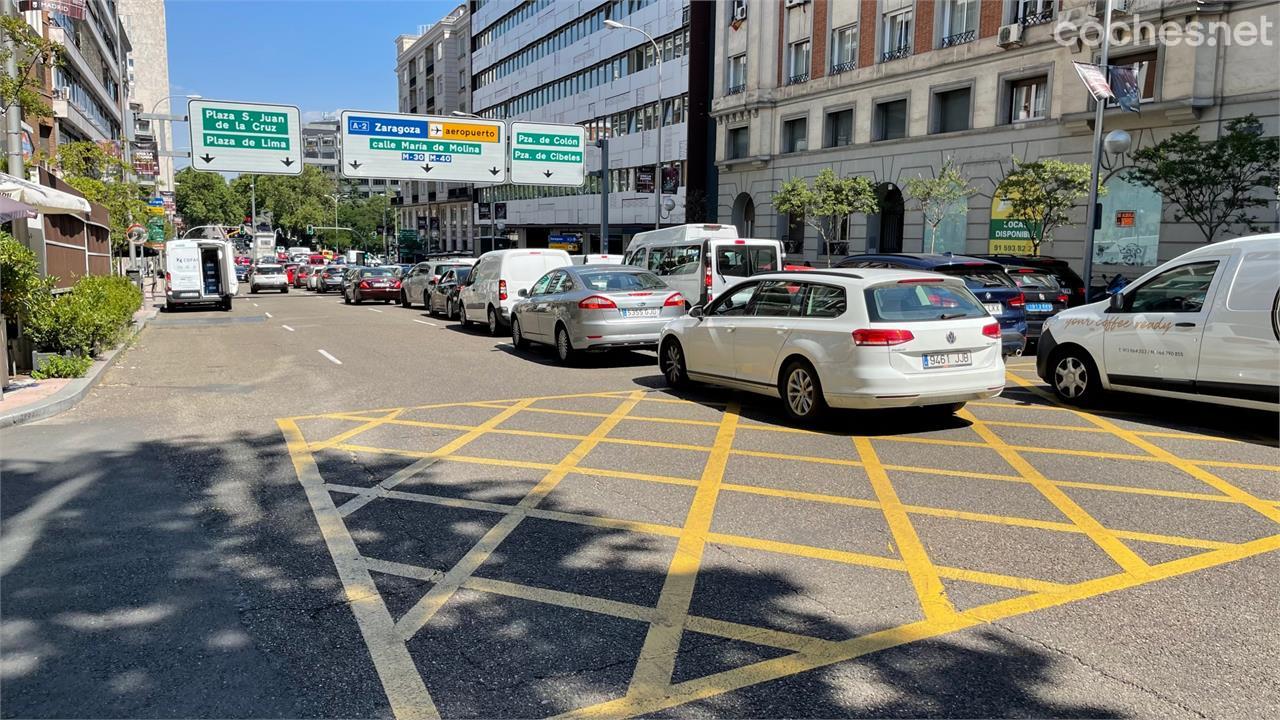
{"type": "Point", "coordinates": [395, 283]}
{"type": "Point", "coordinates": [879, 336]}
{"type": "Point", "coordinates": [991, 330]}
{"type": "Point", "coordinates": [364, 284]}
{"type": "Point", "coordinates": [1019, 301]}
{"type": "Point", "coordinates": [739, 242]}
{"type": "Point", "coordinates": [167, 278]}
{"type": "Point", "coordinates": [913, 281]}
{"type": "Point", "coordinates": [597, 302]}
{"type": "Point", "coordinates": [707, 278]}
{"type": "Point", "coordinates": [502, 289]}
{"type": "Point", "coordinates": [1064, 299]}
{"type": "Point", "coordinates": [676, 300]}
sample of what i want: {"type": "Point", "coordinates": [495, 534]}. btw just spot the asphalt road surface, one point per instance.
{"type": "Point", "coordinates": [306, 509]}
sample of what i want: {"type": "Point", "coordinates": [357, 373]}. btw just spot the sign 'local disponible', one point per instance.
{"type": "Point", "coordinates": [548, 154]}
{"type": "Point", "coordinates": [422, 147]}
{"type": "Point", "coordinates": [245, 137]}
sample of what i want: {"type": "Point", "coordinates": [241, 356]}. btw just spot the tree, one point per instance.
{"type": "Point", "coordinates": [103, 178]}
{"type": "Point", "coordinates": [203, 198]}
{"type": "Point", "coordinates": [940, 197]}
{"type": "Point", "coordinates": [1213, 184]}
{"type": "Point", "coordinates": [1042, 194]}
{"type": "Point", "coordinates": [829, 200]}
{"type": "Point", "coordinates": [32, 51]}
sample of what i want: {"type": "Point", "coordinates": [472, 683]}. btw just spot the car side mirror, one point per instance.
{"type": "Point", "coordinates": [697, 311]}
{"type": "Point", "coordinates": [522, 292]}
{"type": "Point", "coordinates": [1117, 303]}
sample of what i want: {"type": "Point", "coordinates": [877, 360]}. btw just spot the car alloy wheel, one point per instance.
{"type": "Point", "coordinates": [673, 368]}
{"type": "Point", "coordinates": [517, 337]}
{"type": "Point", "coordinates": [564, 348]}
{"type": "Point", "coordinates": [493, 321]}
{"type": "Point", "coordinates": [800, 392]}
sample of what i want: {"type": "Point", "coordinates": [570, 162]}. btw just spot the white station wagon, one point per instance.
{"type": "Point", "coordinates": [865, 338]}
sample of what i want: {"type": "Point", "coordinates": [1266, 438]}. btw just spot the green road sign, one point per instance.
{"type": "Point", "coordinates": [408, 235]}
{"type": "Point", "coordinates": [547, 154]}
{"type": "Point", "coordinates": [245, 137]}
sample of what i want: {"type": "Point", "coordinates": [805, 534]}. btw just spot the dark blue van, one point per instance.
{"type": "Point", "coordinates": [985, 279]}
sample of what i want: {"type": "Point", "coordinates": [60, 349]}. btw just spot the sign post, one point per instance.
{"type": "Point", "coordinates": [422, 147]}
{"type": "Point", "coordinates": [245, 137]}
{"type": "Point", "coordinates": [548, 154]}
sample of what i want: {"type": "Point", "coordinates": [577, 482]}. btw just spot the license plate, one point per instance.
{"type": "Point", "coordinates": [994, 308]}
{"type": "Point", "coordinates": [640, 313]}
{"type": "Point", "coordinates": [1039, 307]}
{"type": "Point", "coordinates": [380, 284]}
{"type": "Point", "coordinates": [942, 360]}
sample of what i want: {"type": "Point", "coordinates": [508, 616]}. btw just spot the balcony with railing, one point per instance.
{"type": "Point", "coordinates": [797, 79]}
{"type": "Point", "coordinates": [895, 54]}
{"type": "Point", "coordinates": [843, 67]}
{"type": "Point", "coordinates": [961, 38]}
{"type": "Point", "coordinates": [1038, 18]}
{"type": "Point", "coordinates": [735, 89]}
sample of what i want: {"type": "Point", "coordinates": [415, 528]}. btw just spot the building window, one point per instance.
{"type": "Point", "coordinates": [890, 120]}
{"type": "Point", "coordinates": [794, 243]}
{"type": "Point", "coordinates": [839, 130]}
{"type": "Point", "coordinates": [895, 30]}
{"type": "Point", "coordinates": [736, 144]}
{"type": "Point", "coordinates": [951, 110]}
{"type": "Point", "coordinates": [795, 135]}
{"type": "Point", "coordinates": [959, 22]}
{"type": "Point", "coordinates": [1028, 99]}
{"type": "Point", "coordinates": [1146, 62]}
{"type": "Point", "coordinates": [1032, 12]}
{"type": "Point", "coordinates": [844, 49]}
{"type": "Point", "coordinates": [737, 79]}
{"type": "Point", "coordinates": [798, 62]}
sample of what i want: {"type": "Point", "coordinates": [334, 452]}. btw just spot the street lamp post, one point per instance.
{"type": "Point", "coordinates": [657, 164]}
{"type": "Point", "coordinates": [160, 135]}
{"type": "Point", "coordinates": [1092, 214]}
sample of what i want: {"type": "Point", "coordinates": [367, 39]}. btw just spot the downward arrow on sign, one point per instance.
{"type": "Point", "coordinates": [547, 173]}
{"type": "Point", "coordinates": [207, 158]}
{"type": "Point", "coordinates": [287, 161]}
{"type": "Point", "coordinates": [494, 170]}
{"type": "Point", "coordinates": [355, 164]}
{"type": "Point", "coordinates": [426, 168]}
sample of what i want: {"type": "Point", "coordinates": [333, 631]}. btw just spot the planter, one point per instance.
{"type": "Point", "coordinates": [39, 357]}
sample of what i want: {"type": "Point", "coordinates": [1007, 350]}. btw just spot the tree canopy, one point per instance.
{"type": "Point", "coordinates": [829, 200]}
{"type": "Point", "coordinates": [940, 197]}
{"type": "Point", "coordinates": [102, 178]}
{"type": "Point", "coordinates": [1042, 194]}
{"type": "Point", "coordinates": [203, 198]}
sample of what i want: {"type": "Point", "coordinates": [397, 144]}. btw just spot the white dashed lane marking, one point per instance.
{"type": "Point", "coordinates": [330, 358]}
{"type": "Point", "coordinates": [286, 327]}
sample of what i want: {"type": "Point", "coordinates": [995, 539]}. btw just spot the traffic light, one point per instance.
{"type": "Point", "coordinates": [311, 229]}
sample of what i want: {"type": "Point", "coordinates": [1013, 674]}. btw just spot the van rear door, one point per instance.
{"type": "Point", "coordinates": [733, 260]}
{"type": "Point", "coordinates": [184, 269]}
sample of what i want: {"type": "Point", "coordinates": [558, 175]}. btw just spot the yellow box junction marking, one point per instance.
{"type": "Point", "coordinates": [651, 689]}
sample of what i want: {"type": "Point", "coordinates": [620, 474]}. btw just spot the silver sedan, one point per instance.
{"type": "Point", "coordinates": [594, 307]}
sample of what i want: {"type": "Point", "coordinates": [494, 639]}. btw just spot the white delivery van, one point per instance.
{"type": "Point", "coordinates": [199, 271]}
{"type": "Point", "coordinates": [1204, 326]}
{"type": "Point", "coordinates": [701, 261]}
{"type": "Point", "coordinates": [497, 279]}
{"type": "Point", "coordinates": [597, 259]}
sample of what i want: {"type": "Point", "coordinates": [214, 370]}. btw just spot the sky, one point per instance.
{"type": "Point", "coordinates": [320, 55]}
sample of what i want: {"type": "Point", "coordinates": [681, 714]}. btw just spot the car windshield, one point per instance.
{"type": "Point", "coordinates": [442, 269]}
{"type": "Point", "coordinates": [621, 281]}
{"type": "Point", "coordinates": [920, 302]}
{"type": "Point", "coordinates": [978, 277]}
{"type": "Point", "coordinates": [377, 272]}
{"type": "Point", "coordinates": [1035, 280]}
{"type": "Point", "coordinates": [461, 274]}
{"type": "Point", "coordinates": [270, 270]}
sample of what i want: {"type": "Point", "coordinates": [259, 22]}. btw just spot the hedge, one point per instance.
{"type": "Point", "coordinates": [58, 366]}
{"type": "Point", "coordinates": [88, 319]}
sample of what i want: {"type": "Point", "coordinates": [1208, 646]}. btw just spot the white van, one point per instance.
{"type": "Point", "coordinates": [597, 259]}
{"type": "Point", "coordinates": [496, 280]}
{"type": "Point", "coordinates": [199, 272]}
{"type": "Point", "coordinates": [701, 261]}
{"type": "Point", "coordinates": [1205, 326]}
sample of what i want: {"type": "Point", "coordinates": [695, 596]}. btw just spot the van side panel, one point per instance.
{"type": "Point", "coordinates": [1239, 348]}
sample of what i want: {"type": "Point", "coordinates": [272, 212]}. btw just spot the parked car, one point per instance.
{"type": "Point", "coordinates": [848, 338]}
{"type": "Point", "coordinates": [1044, 297]}
{"type": "Point", "coordinates": [417, 285]}
{"type": "Point", "coordinates": [443, 299]}
{"type": "Point", "coordinates": [700, 261]}
{"type": "Point", "coordinates": [370, 283]}
{"type": "Point", "coordinates": [497, 278]}
{"type": "Point", "coordinates": [594, 307]}
{"type": "Point", "coordinates": [301, 275]}
{"type": "Point", "coordinates": [331, 277]}
{"type": "Point", "coordinates": [268, 277]}
{"type": "Point", "coordinates": [1204, 326]}
{"type": "Point", "coordinates": [1067, 278]}
{"type": "Point", "coordinates": [988, 281]}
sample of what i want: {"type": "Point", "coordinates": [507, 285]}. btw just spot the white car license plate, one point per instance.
{"type": "Point", "coordinates": [1039, 307]}
{"type": "Point", "coordinates": [640, 313]}
{"type": "Point", "coordinates": [379, 284]}
{"type": "Point", "coordinates": [942, 360]}
{"type": "Point", "coordinates": [993, 308]}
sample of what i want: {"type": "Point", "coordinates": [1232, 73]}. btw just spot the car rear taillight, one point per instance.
{"type": "Point", "coordinates": [991, 330]}
{"type": "Point", "coordinates": [707, 278]}
{"type": "Point", "coordinates": [1019, 301]}
{"type": "Point", "coordinates": [395, 283]}
{"type": "Point", "coordinates": [1064, 299]}
{"type": "Point", "coordinates": [502, 289]}
{"type": "Point", "coordinates": [167, 278]}
{"type": "Point", "coordinates": [881, 336]}
{"type": "Point", "coordinates": [364, 284]}
{"type": "Point", "coordinates": [597, 302]}
{"type": "Point", "coordinates": [676, 300]}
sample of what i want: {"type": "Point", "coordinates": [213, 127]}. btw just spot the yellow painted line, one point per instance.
{"type": "Point", "coordinates": [673, 401]}
{"type": "Point", "coordinates": [405, 690]}
{"type": "Point", "coordinates": [630, 418]}
{"type": "Point", "coordinates": [720, 683]}
{"type": "Point", "coordinates": [348, 434]}
{"type": "Point", "coordinates": [1103, 538]}
{"type": "Point", "coordinates": [1014, 405]}
{"type": "Point", "coordinates": [430, 604]}
{"type": "Point", "coordinates": [924, 576]}
{"type": "Point", "coordinates": [657, 659]}
{"type": "Point", "coordinates": [799, 458]}
{"type": "Point", "coordinates": [626, 475]}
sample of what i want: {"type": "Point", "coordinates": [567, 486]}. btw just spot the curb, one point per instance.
{"type": "Point", "coordinates": [74, 392]}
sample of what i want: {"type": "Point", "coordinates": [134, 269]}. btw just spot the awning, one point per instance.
{"type": "Point", "coordinates": [11, 209]}
{"type": "Point", "coordinates": [44, 199]}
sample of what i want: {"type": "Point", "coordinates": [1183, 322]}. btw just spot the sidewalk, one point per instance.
{"type": "Point", "coordinates": [27, 400]}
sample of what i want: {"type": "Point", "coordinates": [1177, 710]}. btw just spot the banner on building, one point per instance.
{"type": "Point", "coordinates": [670, 180]}
{"type": "Point", "coordinates": [170, 201]}
{"type": "Point", "coordinates": [73, 9]}
{"type": "Point", "coordinates": [1124, 83]}
{"type": "Point", "coordinates": [146, 159]}
{"type": "Point", "coordinates": [482, 211]}
{"type": "Point", "coordinates": [1095, 80]}
{"type": "Point", "coordinates": [1007, 236]}
{"type": "Point", "coordinates": [644, 180]}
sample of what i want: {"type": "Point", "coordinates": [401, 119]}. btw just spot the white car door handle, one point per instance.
{"type": "Point", "coordinates": [729, 329]}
